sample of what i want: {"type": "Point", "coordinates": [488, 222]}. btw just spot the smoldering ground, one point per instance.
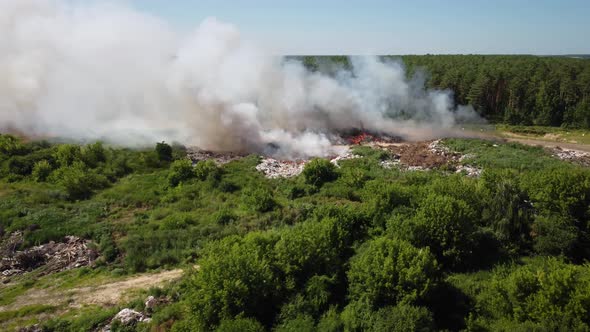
{"type": "Point", "coordinates": [109, 72]}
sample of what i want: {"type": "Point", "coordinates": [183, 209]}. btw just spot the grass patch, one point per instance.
{"type": "Point", "coordinates": [504, 155]}
{"type": "Point", "coordinates": [30, 310]}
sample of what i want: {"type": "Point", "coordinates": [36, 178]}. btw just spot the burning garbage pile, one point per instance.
{"type": "Point", "coordinates": [366, 138]}
{"type": "Point", "coordinates": [54, 257]}
{"type": "Point", "coordinates": [412, 156]}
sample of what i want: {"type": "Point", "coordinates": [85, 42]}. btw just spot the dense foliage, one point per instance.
{"type": "Point", "coordinates": [512, 89]}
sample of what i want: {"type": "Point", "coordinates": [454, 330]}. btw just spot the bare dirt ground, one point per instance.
{"type": "Point", "coordinates": [105, 294]}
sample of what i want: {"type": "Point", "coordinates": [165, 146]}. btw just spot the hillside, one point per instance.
{"type": "Point", "coordinates": [452, 234]}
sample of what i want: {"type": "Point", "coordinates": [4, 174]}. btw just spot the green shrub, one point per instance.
{"type": "Point", "coordinates": [402, 318]}
{"type": "Point", "coordinates": [554, 235]}
{"type": "Point", "coordinates": [390, 271]}
{"type": "Point", "coordinates": [78, 181]}
{"type": "Point", "coordinates": [93, 154]}
{"type": "Point", "coordinates": [180, 171]}
{"type": "Point", "coordinates": [240, 325]}
{"type": "Point", "coordinates": [301, 323]}
{"type": "Point", "coordinates": [12, 146]}
{"type": "Point", "coordinates": [67, 154]}
{"type": "Point", "coordinates": [207, 169]}
{"type": "Point", "coordinates": [547, 292]}
{"type": "Point", "coordinates": [319, 171]}
{"type": "Point", "coordinates": [258, 199]}
{"type": "Point", "coordinates": [236, 277]}
{"type": "Point", "coordinates": [446, 226]}
{"type": "Point", "coordinates": [42, 170]}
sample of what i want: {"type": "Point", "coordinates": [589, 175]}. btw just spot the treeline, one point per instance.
{"type": "Point", "coordinates": [511, 89]}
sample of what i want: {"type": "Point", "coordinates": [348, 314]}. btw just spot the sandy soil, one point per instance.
{"type": "Point", "coordinates": [109, 293]}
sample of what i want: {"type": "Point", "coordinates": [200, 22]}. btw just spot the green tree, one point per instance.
{"type": "Point", "coordinates": [67, 154]}
{"type": "Point", "coordinates": [237, 277]}
{"type": "Point", "coordinates": [164, 151]}
{"type": "Point", "coordinates": [42, 170]}
{"type": "Point", "coordinates": [207, 169]}
{"type": "Point", "coordinates": [319, 171]}
{"type": "Point", "coordinates": [446, 225]}
{"type": "Point", "coordinates": [180, 170]}
{"type": "Point", "coordinates": [389, 271]}
{"type": "Point", "coordinates": [78, 181]}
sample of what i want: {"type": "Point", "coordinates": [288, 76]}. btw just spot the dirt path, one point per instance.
{"type": "Point", "coordinates": [529, 141]}
{"type": "Point", "coordinates": [109, 293]}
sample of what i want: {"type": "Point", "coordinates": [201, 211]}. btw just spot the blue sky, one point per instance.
{"type": "Point", "coordinates": [394, 27]}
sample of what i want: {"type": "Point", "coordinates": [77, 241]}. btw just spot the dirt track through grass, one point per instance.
{"type": "Point", "coordinates": [109, 293]}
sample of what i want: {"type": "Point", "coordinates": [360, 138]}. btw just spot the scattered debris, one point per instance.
{"type": "Point", "coordinates": [424, 155]}
{"type": "Point", "coordinates": [32, 328]}
{"type": "Point", "coordinates": [55, 257]}
{"type": "Point", "coordinates": [274, 168]}
{"type": "Point", "coordinates": [575, 156]}
{"type": "Point", "coordinates": [469, 170]}
{"type": "Point", "coordinates": [150, 303]}
{"type": "Point", "coordinates": [196, 155]}
{"type": "Point", "coordinates": [345, 156]}
{"type": "Point", "coordinates": [127, 317]}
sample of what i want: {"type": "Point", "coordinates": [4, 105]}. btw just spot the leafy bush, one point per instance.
{"type": "Point", "coordinates": [93, 154]}
{"type": "Point", "coordinates": [548, 292]}
{"type": "Point", "coordinates": [42, 170]}
{"type": "Point", "coordinates": [207, 169]}
{"type": "Point", "coordinates": [180, 170]}
{"type": "Point", "coordinates": [67, 154]}
{"type": "Point", "coordinates": [402, 318]}
{"type": "Point", "coordinates": [319, 171]}
{"type": "Point", "coordinates": [554, 235]}
{"type": "Point", "coordinates": [240, 325]}
{"type": "Point", "coordinates": [388, 271]}
{"type": "Point", "coordinates": [445, 225]}
{"type": "Point", "coordinates": [236, 277]}
{"type": "Point", "coordinates": [258, 199]}
{"type": "Point", "coordinates": [78, 181]}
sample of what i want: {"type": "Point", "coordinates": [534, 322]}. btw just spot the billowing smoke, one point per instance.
{"type": "Point", "coordinates": [111, 73]}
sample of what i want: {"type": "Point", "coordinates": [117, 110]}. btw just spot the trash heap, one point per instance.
{"type": "Point", "coordinates": [574, 156]}
{"type": "Point", "coordinates": [129, 317]}
{"type": "Point", "coordinates": [72, 253]}
{"type": "Point", "coordinates": [196, 155]}
{"type": "Point", "coordinates": [274, 168]}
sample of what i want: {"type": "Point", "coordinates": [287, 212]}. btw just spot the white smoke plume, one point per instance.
{"type": "Point", "coordinates": [111, 73]}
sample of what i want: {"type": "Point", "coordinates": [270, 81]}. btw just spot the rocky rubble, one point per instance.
{"type": "Point", "coordinates": [73, 252]}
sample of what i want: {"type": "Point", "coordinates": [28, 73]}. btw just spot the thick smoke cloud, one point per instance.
{"type": "Point", "coordinates": [108, 72]}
